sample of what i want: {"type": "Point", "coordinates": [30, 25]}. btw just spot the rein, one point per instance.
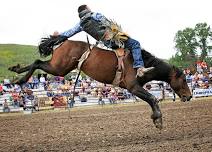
{"type": "Point", "coordinates": [79, 72]}
{"type": "Point", "coordinates": [89, 49]}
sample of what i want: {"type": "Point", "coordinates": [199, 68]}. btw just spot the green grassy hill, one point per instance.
{"type": "Point", "coordinates": [12, 54]}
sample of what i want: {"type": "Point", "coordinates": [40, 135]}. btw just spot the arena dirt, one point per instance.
{"type": "Point", "coordinates": [119, 128]}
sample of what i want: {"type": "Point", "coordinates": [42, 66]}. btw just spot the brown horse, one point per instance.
{"type": "Point", "coordinates": [101, 65]}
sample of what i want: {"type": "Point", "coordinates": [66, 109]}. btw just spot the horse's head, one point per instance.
{"type": "Point", "coordinates": [179, 85]}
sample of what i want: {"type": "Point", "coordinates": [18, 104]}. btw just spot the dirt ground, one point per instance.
{"type": "Point", "coordinates": [119, 128]}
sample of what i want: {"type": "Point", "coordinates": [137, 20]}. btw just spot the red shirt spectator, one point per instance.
{"type": "Point", "coordinates": [1, 88]}
{"type": "Point", "coordinates": [15, 96]}
{"type": "Point", "coordinates": [204, 64]}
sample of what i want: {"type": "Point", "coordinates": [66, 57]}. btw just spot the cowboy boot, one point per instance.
{"type": "Point", "coordinates": [142, 70]}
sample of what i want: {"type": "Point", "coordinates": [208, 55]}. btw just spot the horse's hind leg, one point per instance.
{"type": "Point", "coordinates": [17, 68]}
{"type": "Point", "coordinates": [152, 101]}
{"type": "Point", "coordinates": [38, 64]}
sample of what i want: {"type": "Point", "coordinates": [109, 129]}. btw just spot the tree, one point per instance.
{"type": "Point", "coordinates": [179, 61]}
{"type": "Point", "coordinates": [204, 36]}
{"type": "Point", "coordinates": [189, 42]}
{"type": "Point", "coordinates": [186, 43]}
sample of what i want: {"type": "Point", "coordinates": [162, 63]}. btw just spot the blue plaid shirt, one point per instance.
{"type": "Point", "coordinates": [77, 28]}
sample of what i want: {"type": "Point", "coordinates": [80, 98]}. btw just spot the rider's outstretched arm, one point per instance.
{"type": "Point", "coordinates": [76, 29]}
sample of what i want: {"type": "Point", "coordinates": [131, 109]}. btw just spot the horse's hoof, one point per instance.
{"type": "Point", "coordinates": [11, 68]}
{"type": "Point", "coordinates": [14, 68]}
{"type": "Point", "coordinates": [158, 123]}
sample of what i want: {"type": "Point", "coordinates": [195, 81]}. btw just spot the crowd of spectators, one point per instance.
{"type": "Point", "coordinates": [200, 79]}
{"type": "Point", "coordinates": [58, 86]}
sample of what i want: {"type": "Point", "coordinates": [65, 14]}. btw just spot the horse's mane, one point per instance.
{"type": "Point", "coordinates": [46, 46]}
{"type": "Point", "coordinates": [178, 71]}
{"type": "Point", "coordinates": [150, 59]}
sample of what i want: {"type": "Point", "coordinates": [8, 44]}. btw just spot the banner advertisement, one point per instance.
{"type": "Point", "coordinates": [202, 92]}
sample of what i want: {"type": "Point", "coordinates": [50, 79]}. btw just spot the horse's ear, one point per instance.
{"type": "Point", "coordinates": [178, 72]}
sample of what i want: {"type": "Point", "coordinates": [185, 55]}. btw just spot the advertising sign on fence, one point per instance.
{"type": "Point", "coordinates": [157, 93]}
{"type": "Point", "coordinates": [202, 92]}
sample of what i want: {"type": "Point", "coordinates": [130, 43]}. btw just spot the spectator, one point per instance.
{"type": "Point", "coordinates": [204, 65]}
{"type": "Point", "coordinates": [111, 98]}
{"type": "Point", "coordinates": [206, 85]}
{"type": "Point", "coordinates": [30, 100]}
{"type": "Point", "coordinates": [1, 89]}
{"type": "Point", "coordinates": [17, 88]}
{"type": "Point", "coordinates": [199, 67]}
{"type": "Point", "coordinates": [15, 98]}
{"type": "Point", "coordinates": [30, 82]}
{"type": "Point", "coordinates": [6, 106]}
{"type": "Point", "coordinates": [35, 82]}
{"type": "Point", "coordinates": [195, 85]}
{"type": "Point", "coordinates": [101, 101]}
{"type": "Point", "coordinates": [210, 76]}
{"type": "Point", "coordinates": [189, 78]}
{"type": "Point", "coordinates": [42, 80]}
{"type": "Point", "coordinates": [93, 84]}
{"type": "Point", "coordinates": [71, 102]}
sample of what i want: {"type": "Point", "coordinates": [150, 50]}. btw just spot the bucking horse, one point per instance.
{"type": "Point", "coordinates": [102, 65]}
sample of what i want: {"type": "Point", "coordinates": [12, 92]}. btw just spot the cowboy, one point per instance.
{"type": "Point", "coordinates": [97, 25]}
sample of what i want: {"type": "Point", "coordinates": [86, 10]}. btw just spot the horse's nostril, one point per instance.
{"type": "Point", "coordinates": [184, 98]}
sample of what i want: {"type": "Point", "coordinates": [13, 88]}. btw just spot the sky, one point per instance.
{"type": "Point", "coordinates": [153, 23]}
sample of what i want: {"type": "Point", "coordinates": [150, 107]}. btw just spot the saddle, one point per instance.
{"type": "Point", "coordinates": [120, 53]}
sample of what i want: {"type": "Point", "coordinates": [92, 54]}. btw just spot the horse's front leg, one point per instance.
{"type": "Point", "coordinates": [152, 101]}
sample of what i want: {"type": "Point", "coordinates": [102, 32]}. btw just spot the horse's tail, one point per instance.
{"type": "Point", "coordinates": [45, 47]}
